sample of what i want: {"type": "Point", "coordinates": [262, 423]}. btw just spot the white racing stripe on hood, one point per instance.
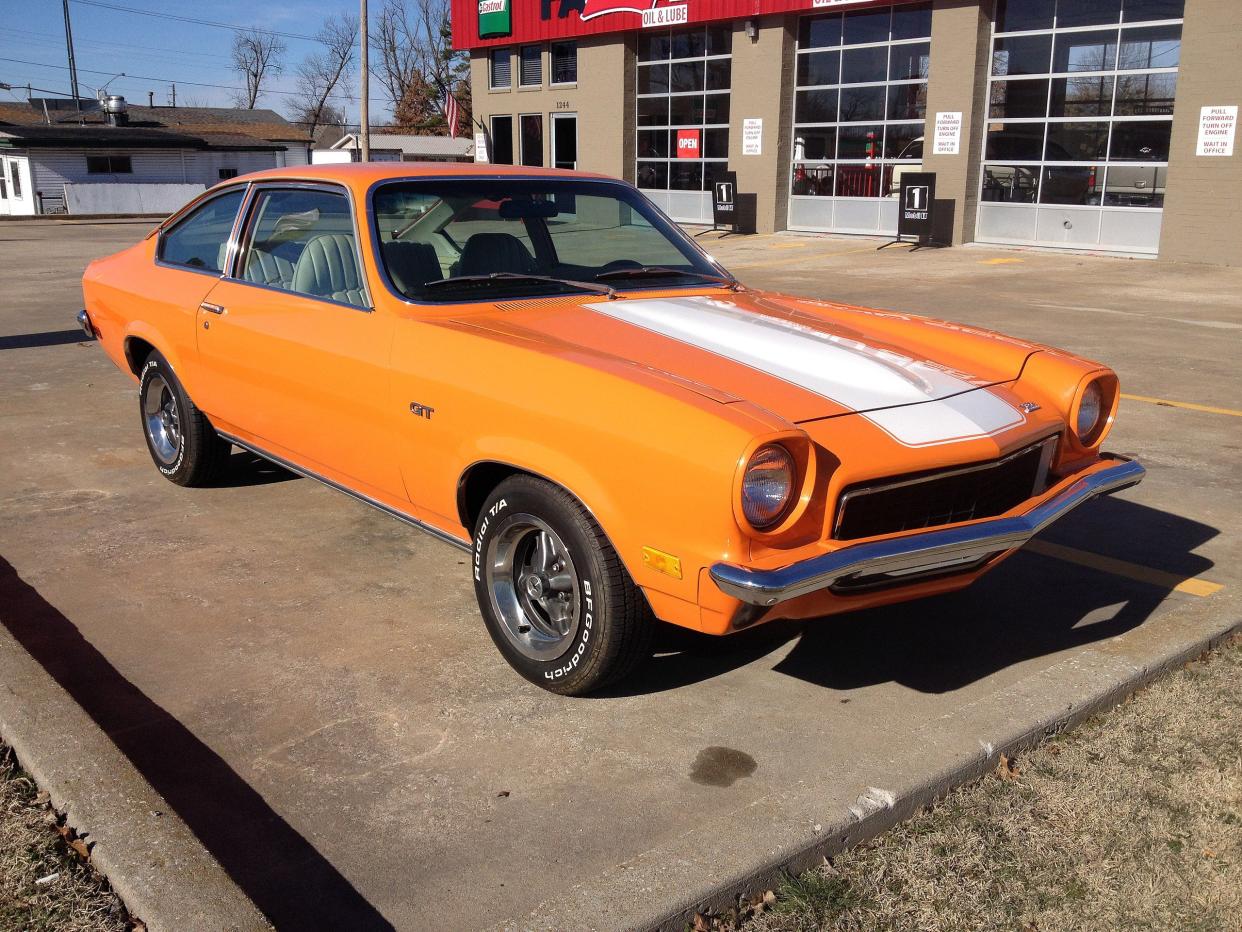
{"type": "Point", "coordinates": [848, 372]}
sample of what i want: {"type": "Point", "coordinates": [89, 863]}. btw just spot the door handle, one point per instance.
{"type": "Point", "coordinates": [211, 308]}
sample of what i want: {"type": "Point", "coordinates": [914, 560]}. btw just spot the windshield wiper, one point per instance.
{"type": "Point", "coordinates": [516, 277]}
{"type": "Point", "coordinates": [661, 271]}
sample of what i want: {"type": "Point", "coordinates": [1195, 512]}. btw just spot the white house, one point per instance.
{"type": "Point", "coordinates": [396, 147]}
{"type": "Point", "coordinates": [134, 159]}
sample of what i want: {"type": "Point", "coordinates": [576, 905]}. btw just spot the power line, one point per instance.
{"type": "Point", "coordinates": [190, 19]}
{"type": "Point", "coordinates": [125, 45]}
{"type": "Point", "coordinates": [147, 77]}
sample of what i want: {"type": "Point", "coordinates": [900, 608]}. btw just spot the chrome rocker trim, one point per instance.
{"type": "Point", "coordinates": [925, 551]}
{"type": "Point", "coordinates": [386, 509]}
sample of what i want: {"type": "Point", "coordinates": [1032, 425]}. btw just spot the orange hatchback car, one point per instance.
{"type": "Point", "coordinates": [540, 368]}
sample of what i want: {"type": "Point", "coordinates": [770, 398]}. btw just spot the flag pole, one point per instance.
{"type": "Point", "coordinates": [364, 116]}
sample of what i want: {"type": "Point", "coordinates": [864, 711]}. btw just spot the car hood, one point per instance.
{"type": "Point", "coordinates": [803, 360]}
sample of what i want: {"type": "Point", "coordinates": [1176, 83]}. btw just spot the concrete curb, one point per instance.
{"type": "Point", "coordinates": [882, 810]}
{"type": "Point", "coordinates": [153, 861]}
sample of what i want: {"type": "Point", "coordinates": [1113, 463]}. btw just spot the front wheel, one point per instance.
{"type": "Point", "coordinates": [554, 595]}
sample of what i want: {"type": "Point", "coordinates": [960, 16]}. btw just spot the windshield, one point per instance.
{"type": "Point", "coordinates": [486, 238]}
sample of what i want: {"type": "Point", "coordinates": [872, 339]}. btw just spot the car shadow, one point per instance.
{"type": "Point", "coordinates": [285, 876]}
{"type": "Point", "coordinates": [1030, 606]}
{"type": "Point", "coordinates": [46, 338]}
{"type": "Point", "coordinates": [249, 469]}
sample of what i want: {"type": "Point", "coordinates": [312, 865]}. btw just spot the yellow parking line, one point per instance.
{"type": "Point", "coordinates": [1145, 574]}
{"type": "Point", "coordinates": [1182, 404]}
{"type": "Point", "coordinates": [999, 261]}
{"type": "Point", "coordinates": [759, 262]}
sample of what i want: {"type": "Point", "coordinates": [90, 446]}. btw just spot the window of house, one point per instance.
{"type": "Point", "coordinates": [564, 62]}
{"type": "Point", "coordinates": [530, 73]}
{"type": "Point", "coordinates": [199, 240]}
{"type": "Point", "coordinates": [500, 73]}
{"type": "Point", "coordinates": [502, 140]}
{"type": "Point", "coordinates": [109, 165]}
{"type": "Point", "coordinates": [227, 173]}
{"type": "Point", "coordinates": [532, 138]}
{"type": "Point", "coordinates": [17, 180]}
{"type": "Point", "coordinates": [302, 240]}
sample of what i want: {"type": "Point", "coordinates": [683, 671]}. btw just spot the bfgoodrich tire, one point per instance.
{"type": "Point", "coordinates": [555, 597]}
{"type": "Point", "coordinates": [183, 445]}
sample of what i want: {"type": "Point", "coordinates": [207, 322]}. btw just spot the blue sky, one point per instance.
{"type": "Point", "coordinates": [108, 41]}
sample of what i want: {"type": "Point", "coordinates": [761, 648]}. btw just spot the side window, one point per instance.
{"type": "Point", "coordinates": [200, 240]}
{"type": "Point", "coordinates": [302, 241]}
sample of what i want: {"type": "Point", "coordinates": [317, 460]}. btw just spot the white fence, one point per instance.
{"type": "Point", "coordinates": [113, 198]}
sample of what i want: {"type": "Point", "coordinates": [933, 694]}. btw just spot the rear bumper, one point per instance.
{"type": "Point", "coordinates": [924, 552]}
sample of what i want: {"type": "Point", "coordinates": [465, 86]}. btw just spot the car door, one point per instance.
{"type": "Point", "coordinates": [291, 351]}
{"type": "Point", "coordinates": [190, 257]}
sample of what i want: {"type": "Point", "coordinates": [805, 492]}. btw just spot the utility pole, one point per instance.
{"type": "Point", "coordinates": [174, 94]}
{"type": "Point", "coordinates": [364, 130]}
{"type": "Point", "coordinates": [73, 65]}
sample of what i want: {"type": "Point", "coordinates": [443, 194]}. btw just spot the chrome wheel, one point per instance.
{"type": "Point", "coordinates": [533, 586]}
{"type": "Point", "coordinates": [161, 418]}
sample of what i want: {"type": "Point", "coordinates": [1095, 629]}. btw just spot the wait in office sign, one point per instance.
{"type": "Point", "coordinates": [483, 23]}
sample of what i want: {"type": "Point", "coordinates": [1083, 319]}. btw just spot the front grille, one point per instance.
{"type": "Point", "coordinates": [909, 503]}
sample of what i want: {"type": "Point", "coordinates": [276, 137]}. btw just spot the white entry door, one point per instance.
{"type": "Point", "coordinates": [19, 198]}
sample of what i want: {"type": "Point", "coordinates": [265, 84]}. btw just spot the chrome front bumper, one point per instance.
{"type": "Point", "coordinates": [84, 321]}
{"type": "Point", "coordinates": [927, 551]}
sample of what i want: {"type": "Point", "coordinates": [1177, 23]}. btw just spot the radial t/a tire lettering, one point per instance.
{"type": "Point", "coordinates": [184, 446]}
{"type": "Point", "coordinates": [553, 593]}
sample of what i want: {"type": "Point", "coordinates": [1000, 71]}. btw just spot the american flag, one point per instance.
{"type": "Point", "coordinates": [452, 112]}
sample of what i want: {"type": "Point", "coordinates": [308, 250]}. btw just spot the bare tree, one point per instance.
{"type": "Point", "coordinates": [322, 73]}
{"type": "Point", "coordinates": [257, 56]}
{"type": "Point", "coordinates": [412, 41]}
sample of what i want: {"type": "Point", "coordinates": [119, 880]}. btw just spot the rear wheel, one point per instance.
{"type": "Point", "coordinates": [182, 442]}
{"type": "Point", "coordinates": [553, 593]}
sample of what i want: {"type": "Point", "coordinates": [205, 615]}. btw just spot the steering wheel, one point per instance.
{"type": "Point", "coordinates": [621, 264]}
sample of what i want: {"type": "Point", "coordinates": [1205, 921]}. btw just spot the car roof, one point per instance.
{"type": "Point", "coordinates": [364, 174]}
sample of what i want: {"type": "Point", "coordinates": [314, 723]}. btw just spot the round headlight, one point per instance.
{"type": "Point", "coordinates": [767, 486]}
{"type": "Point", "coordinates": [1090, 412]}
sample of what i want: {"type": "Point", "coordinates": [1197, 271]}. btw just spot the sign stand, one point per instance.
{"type": "Point", "coordinates": [731, 212]}
{"type": "Point", "coordinates": [916, 213]}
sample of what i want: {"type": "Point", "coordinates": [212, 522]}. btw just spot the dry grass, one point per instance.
{"type": "Point", "coordinates": [77, 899]}
{"type": "Point", "coordinates": [1133, 821]}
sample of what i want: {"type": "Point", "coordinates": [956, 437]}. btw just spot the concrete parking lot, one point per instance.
{"type": "Point", "coordinates": [264, 698]}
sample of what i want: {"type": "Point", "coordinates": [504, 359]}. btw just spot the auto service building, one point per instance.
{"type": "Point", "coordinates": [1103, 125]}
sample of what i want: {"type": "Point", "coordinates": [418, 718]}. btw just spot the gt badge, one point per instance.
{"type": "Point", "coordinates": [421, 410]}
{"type": "Point", "coordinates": [1029, 407]}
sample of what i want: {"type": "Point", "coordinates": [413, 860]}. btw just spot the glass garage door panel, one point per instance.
{"type": "Point", "coordinates": [860, 101]}
{"type": "Point", "coordinates": [1080, 118]}
{"type": "Point", "coordinates": [682, 117]}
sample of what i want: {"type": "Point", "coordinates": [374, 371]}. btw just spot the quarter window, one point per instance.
{"type": "Point", "coordinates": [302, 241]}
{"type": "Point", "coordinates": [500, 69]}
{"type": "Point", "coordinates": [200, 239]}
